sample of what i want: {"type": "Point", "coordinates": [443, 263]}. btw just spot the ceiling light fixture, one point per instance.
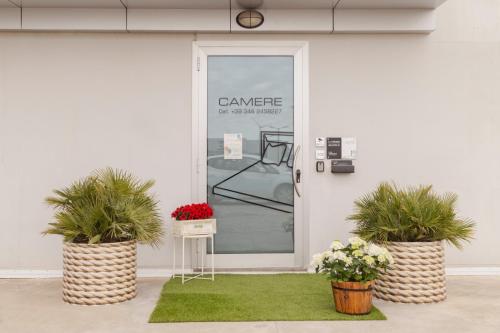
{"type": "Point", "coordinates": [250, 19]}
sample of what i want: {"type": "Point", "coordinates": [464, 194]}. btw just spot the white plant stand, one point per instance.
{"type": "Point", "coordinates": [194, 229]}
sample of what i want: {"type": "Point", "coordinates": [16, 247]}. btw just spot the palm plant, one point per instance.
{"type": "Point", "coordinates": [414, 214]}
{"type": "Point", "coordinates": [107, 206]}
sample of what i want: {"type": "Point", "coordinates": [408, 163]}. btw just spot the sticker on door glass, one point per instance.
{"type": "Point", "coordinates": [233, 146]}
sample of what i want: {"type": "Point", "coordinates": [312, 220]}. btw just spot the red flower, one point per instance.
{"type": "Point", "coordinates": [198, 211]}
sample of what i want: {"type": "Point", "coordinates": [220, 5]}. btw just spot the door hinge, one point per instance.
{"type": "Point", "coordinates": [198, 64]}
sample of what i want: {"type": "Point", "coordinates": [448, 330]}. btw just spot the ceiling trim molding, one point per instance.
{"type": "Point", "coordinates": [123, 17]}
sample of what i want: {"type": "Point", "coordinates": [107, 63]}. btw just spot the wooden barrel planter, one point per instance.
{"type": "Point", "coordinates": [97, 274]}
{"type": "Point", "coordinates": [353, 298]}
{"type": "Point", "coordinates": [417, 275]}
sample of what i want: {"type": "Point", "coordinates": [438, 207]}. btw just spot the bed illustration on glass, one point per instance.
{"type": "Point", "coordinates": [262, 180]}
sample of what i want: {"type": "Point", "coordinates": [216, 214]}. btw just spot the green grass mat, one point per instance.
{"type": "Point", "coordinates": [275, 297]}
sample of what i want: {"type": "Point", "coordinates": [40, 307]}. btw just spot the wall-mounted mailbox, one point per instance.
{"type": "Point", "coordinates": [342, 166]}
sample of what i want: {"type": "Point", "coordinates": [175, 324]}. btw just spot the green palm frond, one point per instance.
{"type": "Point", "coordinates": [414, 214]}
{"type": "Point", "coordinates": [107, 206]}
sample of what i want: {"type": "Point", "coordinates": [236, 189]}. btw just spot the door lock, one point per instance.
{"type": "Point", "coordinates": [297, 176]}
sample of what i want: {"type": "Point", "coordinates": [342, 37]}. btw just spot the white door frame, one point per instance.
{"type": "Point", "coordinates": [300, 52]}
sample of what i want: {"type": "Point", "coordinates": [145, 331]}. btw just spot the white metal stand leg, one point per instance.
{"type": "Point", "coordinates": [202, 258]}
{"type": "Point", "coordinates": [212, 242]}
{"type": "Point", "coordinates": [183, 242]}
{"type": "Point", "coordinates": [173, 265]}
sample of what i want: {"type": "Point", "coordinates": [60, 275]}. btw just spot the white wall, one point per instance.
{"type": "Point", "coordinates": [425, 109]}
{"type": "Point", "coordinates": [71, 103]}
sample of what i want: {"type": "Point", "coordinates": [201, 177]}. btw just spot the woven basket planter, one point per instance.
{"type": "Point", "coordinates": [417, 275]}
{"type": "Point", "coordinates": [97, 274]}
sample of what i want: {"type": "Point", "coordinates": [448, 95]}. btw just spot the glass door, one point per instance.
{"type": "Point", "coordinates": [250, 153]}
{"type": "Point", "coordinates": [251, 147]}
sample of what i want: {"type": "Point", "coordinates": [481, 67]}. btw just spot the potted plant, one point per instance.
{"type": "Point", "coordinates": [101, 218]}
{"type": "Point", "coordinates": [193, 219]}
{"type": "Point", "coordinates": [352, 270]}
{"type": "Point", "coordinates": [412, 223]}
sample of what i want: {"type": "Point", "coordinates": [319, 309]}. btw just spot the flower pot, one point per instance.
{"type": "Point", "coordinates": [353, 298]}
{"type": "Point", "coordinates": [96, 274]}
{"type": "Point", "coordinates": [194, 227]}
{"type": "Point", "coordinates": [417, 275]}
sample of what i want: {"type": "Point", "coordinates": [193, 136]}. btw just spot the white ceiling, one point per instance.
{"type": "Point", "coordinates": [223, 4]}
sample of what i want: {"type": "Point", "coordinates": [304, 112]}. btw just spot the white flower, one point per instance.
{"type": "Point", "coordinates": [328, 255]}
{"type": "Point", "coordinates": [385, 256]}
{"type": "Point", "coordinates": [320, 257]}
{"type": "Point", "coordinates": [358, 253]}
{"type": "Point", "coordinates": [317, 260]}
{"type": "Point", "coordinates": [336, 245]}
{"type": "Point", "coordinates": [356, 242]}
{"type": "Point", "coordinates": [382, 258]}
{"type": "Point", "coordinates": [374, 250]}
{"type": "Point", "coordinates": [389, 257]}
{"type": "Point", "coordinates": [369, 260]}
{"type": "Point", "coordinates": [339, 255]}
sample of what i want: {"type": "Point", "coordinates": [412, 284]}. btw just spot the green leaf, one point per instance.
{"type": "Point", "coordinates": [95, 239]}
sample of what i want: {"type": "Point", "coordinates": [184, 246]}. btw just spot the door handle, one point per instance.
{"type": "Point", "coordinates": [296, 174]}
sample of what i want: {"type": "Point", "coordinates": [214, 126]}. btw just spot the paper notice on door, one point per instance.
{"type": "Point", "coordinates": [233, 146]}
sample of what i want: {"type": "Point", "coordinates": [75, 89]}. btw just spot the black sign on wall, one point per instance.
{"type": "Point", "coordinates": [333, 148]}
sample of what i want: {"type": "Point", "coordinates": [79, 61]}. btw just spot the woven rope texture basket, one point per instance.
{"type": "Point", "coordinates": [417, 275]}
{"type": "Point", "coordinates": [97, 274]}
